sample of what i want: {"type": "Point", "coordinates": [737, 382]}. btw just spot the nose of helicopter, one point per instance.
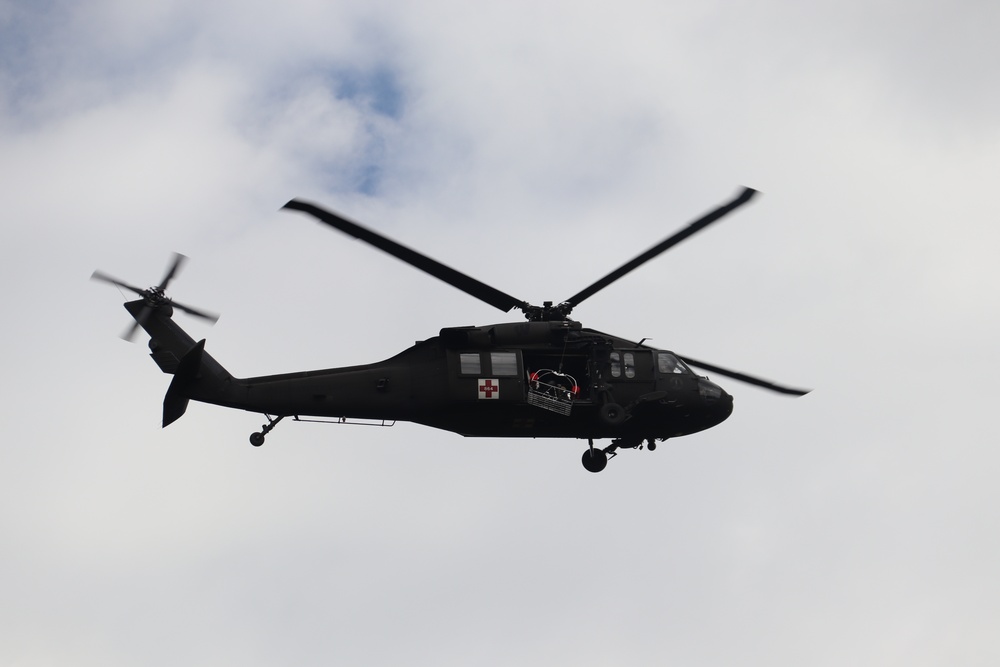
{"type": "Point", "coordinates": [725, 406]}
{"type": "Point", "coordinates": [716, 399]}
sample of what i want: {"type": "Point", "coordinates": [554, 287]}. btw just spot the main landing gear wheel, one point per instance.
{"type": "Point", "coordinates": [612, 414]}
{"type": "Point", "coordinates": [256, 439]}
{"type": "Point", "coordinates": [595, 460]}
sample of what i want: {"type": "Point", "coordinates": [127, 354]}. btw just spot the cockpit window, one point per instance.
{"type": "Point", "coordinates": [629, 365]}
{"type": "Point", "coordinates": [616, 365]}
{"type": "Point", "coordinates": [668, 363]}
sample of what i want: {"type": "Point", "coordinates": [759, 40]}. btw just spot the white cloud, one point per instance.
{"type": "Point", "coordinates": [848, 526]}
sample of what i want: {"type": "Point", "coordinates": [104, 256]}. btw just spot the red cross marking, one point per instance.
{"type": "Point", "coordinates": [487, 388]}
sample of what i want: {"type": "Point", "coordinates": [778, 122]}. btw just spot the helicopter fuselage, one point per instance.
{"type": "Point", "coordinates": [530, 379]}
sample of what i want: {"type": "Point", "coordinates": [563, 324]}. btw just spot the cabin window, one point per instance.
{"type": "Point", "coordinates": [629, 365]}
{"type": "Point", "coordinates": [616, 364]}
{"type": "Point", "coordinates": [503, 363]}
{"type": "Point", "coordinates": [668, 363]}
{"type": "Point", "coordinates": [469, 363]}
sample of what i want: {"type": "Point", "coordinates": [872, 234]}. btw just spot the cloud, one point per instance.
{"type": "Point", "coordinates": [536, 148]}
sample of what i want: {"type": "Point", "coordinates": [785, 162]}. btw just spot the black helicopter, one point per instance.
{"type": "Point", "coordinates": [547, 377]}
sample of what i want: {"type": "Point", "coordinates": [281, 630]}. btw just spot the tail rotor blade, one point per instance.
{"type": "Point", "coordinates": [154, 298]}
{"type": "Point", "coordinates": [205, 315]}
{"type": "Point", "coordinates": [129, 334]}
{"type": "Point", "coordinates": [103, 277]}
{"type": "Point", "coordinates": [179, 260]}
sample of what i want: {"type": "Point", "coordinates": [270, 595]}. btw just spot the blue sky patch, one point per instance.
{"type": "Point", "coordinates": [377, 88]}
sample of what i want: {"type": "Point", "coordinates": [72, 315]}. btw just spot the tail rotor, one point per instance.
{"type": "Point", "coordinates": [155, 298]}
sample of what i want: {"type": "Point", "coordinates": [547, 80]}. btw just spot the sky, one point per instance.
{"type": "Point", "coordinates": [535, 146]}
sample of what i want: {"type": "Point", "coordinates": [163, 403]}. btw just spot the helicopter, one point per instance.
{"type": "Point", "coordinates": [545, 377]}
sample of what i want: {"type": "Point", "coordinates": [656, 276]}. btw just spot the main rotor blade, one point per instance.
{"type": "Point", "coordinates": [663, 245]}
{"type": "Point", "coordinates": [743, 377]}
{"type": "Point", "coordinates": [97, 275]}
{"type": "Point", "coordinates": [467, 284]}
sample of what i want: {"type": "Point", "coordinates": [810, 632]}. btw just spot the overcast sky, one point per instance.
{"type": "Point", "coordinates": [855, 526]}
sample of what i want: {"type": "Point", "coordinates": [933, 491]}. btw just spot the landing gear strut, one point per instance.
{"type": "Point", "coordinates": [596, 459]}
{"type": "Point", "coordinates": [257, 439]}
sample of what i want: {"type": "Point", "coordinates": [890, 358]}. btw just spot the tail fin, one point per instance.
{"type": "Point", "coordinates": [175, 403]}
{"type": "Point", "coordinates": [196, 374]}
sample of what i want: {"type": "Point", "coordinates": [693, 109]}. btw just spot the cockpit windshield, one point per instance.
{"type": "Point", "coordinates": [668, 363]}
